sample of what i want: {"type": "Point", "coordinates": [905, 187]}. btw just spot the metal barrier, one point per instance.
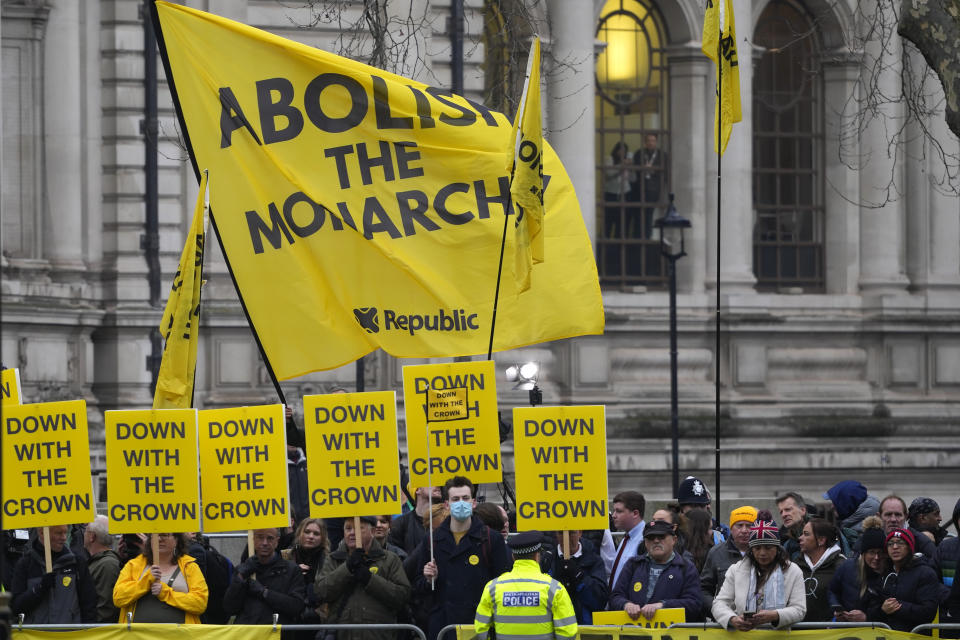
{"type": "Point", "coordinates": [950, 626]}
{"type": "Point", "coordinates": [287, 627]}
{"type": "Point", "coordinates": [799, 626]}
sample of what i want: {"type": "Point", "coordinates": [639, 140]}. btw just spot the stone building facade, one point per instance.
{"type": "Point", "coordinates": [839, 268]}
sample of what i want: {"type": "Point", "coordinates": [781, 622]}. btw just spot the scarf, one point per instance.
{"type": "Point", "coordinates": [772, 596]}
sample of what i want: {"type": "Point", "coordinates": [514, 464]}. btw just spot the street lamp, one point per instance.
{"type": "Point", "coordinates": [671, 227]}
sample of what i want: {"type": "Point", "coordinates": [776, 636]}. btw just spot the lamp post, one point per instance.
{"type": "Point", "coordinates": [671, 227]}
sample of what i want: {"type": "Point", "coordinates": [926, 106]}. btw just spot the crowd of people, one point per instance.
{"type": "Point", "coordinates": [851, 558]}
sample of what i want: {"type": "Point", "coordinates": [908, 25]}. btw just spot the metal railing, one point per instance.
{"type": "Point", "coordinates": [287, 627]}
{"type": "Point", "coordinates": [950, 626]}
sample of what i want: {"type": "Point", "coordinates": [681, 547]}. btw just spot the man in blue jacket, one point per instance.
{"type": "Point", "coordinates": [658, 579]}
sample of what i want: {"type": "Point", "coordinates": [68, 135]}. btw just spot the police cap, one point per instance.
{"type": "Point", "coordinates": [526, 542]}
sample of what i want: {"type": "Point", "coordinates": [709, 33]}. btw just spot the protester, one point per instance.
{"type": "Point", "coordinates": [525, 603]}
{"type": "Point", "coordinates": [381, 533]}
{"type": "Point", "coordinates": [217, 571]}
{"type": "Point", "coordinates": [764, 589]}
{"type": "Point", "coordinates": [409, 530]}
{"type": "Point", "coordinates": [698, 536]}
{"type": "Point", "coordinates": [494, 517]}
{"type": "Point", "coordinates": [168, 588]}
{"type": "Point", "coordinates": [907, 596]}
{"type": "Point", "coordinates": [104, 566]}
{"type": "Point", "coordinates": [65, 595]}
{"type": "Point", "coordinates": [309, 550]}
{"type": "Point", "coordinates": [581, 574]}
{"type": "Point", "coordinates": [946, 560]}
{"type": "Point", "coordinates": [924, 515]}
{"type": "Point", "coordinates": [658, 578]}
{"type": "Point", "coordinates": [362, 583]}
{"type": "Point", "coordinates": [893, 512]}
{"type": "Point", "coordinates": [627, 513]}
{"type": "Point", "coordinates": [466, 556]}
{"type": "Point", "coordinates": [793, 515]}
{"type": "Point", "coordinates": [265, 584]}
{"type": "Point", "coordinates": [819, 558]}
{"type": "Point", "coordinates": [848, 587]}
{"type": "Point", "coordinates": [722, 556]}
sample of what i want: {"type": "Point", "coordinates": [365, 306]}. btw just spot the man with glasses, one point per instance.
{"type": "Point", "coordinates": [660, 578]}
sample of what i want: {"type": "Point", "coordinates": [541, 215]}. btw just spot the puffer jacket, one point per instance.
{"type": "Point", "coordinates": [916, 587]}
{"type": "Point", "coordinates": [350, 602]}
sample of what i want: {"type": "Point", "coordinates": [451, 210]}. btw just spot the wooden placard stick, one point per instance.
{"type": "Point", "coordinates": [155, 547]}
{"type": "Point", "coordinates": [47, 556]}
{"type": "Point", "coordinates": [250, 551]}
{"type": "Point", "coordinates": [356, 529]}
{"type": "Point", "coordinates": [566, 544]}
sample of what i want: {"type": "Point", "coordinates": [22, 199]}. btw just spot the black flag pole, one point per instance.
{"type": "Point", "coordinates": [718, 136]}
{"type": "Point", "coordinates": [168, 72]}
{"type": "Point", "coordinates": [496, 292]}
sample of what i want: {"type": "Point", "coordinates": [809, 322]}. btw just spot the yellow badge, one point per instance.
{"type": "Point", "coordinates": [66, 581]}
{"type": "Point", "coordinates": [637, 586]}
{"type": "Point", "coordinates": [374, 569]}
{"type": "Point", "coordinates": [474, 560]}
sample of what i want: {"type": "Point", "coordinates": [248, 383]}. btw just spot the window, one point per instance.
{"type": "Point", "coordinates": [633, 141]}
{"type": "Point", "coordinates": [787, 151]}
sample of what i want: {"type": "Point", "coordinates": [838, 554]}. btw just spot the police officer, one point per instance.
{"type": "Point", "coordinates": [525, 601]}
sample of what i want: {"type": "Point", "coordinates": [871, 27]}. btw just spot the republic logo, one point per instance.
{"type": "Point", "coordinates": [457, 320]}
{"type": "Point", "coordinates": [367, 317]}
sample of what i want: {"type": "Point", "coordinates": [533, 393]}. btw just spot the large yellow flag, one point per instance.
{"type": "Point", "coordinates": [526, 185]}
{"type": "Point", "coordinates": [180, 324]}
{"type": "Point", "coordinates": [359, 209]}
{"type": "Point", "coordinates": [723, 51]}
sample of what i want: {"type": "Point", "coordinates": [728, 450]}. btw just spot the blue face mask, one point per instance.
{"type": "Point", "coordinates": [461, 510]}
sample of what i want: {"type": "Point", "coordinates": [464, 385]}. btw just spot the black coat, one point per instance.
{"type": "Point", "coordinates": [462, 571]}
{"type": "Point", "coordinates": [916, 587]}
{"type": "Point", "coordinates": [283, 581]}
{"type": "Point", "coordinates": [407, 531]}
{"type": "Point", "coordinates": [588, 588]}
{"type": "Point", "coordinates": [816, 584]}
{"type": "Point", "coordinates": [678, 586]}
{"type": "Point", "coordinates": [71, 599]}
{"type": "Point", "coordinates": [845, 585]}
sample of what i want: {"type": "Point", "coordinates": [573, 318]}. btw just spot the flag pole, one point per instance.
{"type": "Point", "coordinates": [718, 136]}
{"type": "Point", "coordinates": [203, 256]}
{"type": "Point", "coordinates": [496, 292]}
{"type": "Point", "coordinates": [162, 46]}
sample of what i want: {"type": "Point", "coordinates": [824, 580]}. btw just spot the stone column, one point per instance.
{"type": "Point", "coordinates": [841, 182]}
{"type": "Point", "coordinates": [570, 99]}
{"type": "Point", "coordinates": [736, 189]}
{"type": "Point", "coordinates": [882, 224]}
{"type": "Point", "coordinates": [690, 146]}
{"type": "Point", "coordinates": [933, 226]}
{"type": "Point", "coordinates": [63, 211]}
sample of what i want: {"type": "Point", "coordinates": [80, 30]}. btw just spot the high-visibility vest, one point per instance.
{"type": "Point", "coordinates": [525, 604]}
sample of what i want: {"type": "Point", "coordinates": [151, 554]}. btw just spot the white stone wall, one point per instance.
{"type": "Point", "coordinates": [862, 381]}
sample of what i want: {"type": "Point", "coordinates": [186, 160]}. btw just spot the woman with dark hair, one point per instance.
{"type": "Point", "coordinates": [168, 588]}
{"type": "Point", "coordinates": [764, 589]}
{"type": "Point", "coordinates": [819, 559]}
{"type": "Point", "coordinates": [907, 596]}
{"type": "Point", "coordinates": [849, 584]}
{"type": "Point", "coordinates": [697, 531]}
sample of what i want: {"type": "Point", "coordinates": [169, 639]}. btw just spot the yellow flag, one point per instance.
{"type": "Point", "coordinates": [723, 51]}
{"type": "Point", "coordinates": [359, 209]}
{"type": "Point", "coordinates": [180, 324]}
{"type": "Point", "coordinates": [526, 185]}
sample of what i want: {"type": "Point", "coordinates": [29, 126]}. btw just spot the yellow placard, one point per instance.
{"type": "Point", "coordinates": [10, 387]}
{"type": "Point", "coordinates": [46, 465]}
{"type": "Point", "coordinates": [662, 619]}
{"type": "Point", "coordinates": [367, 206]}
{"type": "Point", "coordinates": [243, 468]}
{"type": "Point", "coordinates": [152, 473]}
{"type": "Point", "coordinates": [560, 455]}
{"type": "Point", "coordinates": [459, 440]}
{"type": "Point", "coordinates": [353, 468]}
